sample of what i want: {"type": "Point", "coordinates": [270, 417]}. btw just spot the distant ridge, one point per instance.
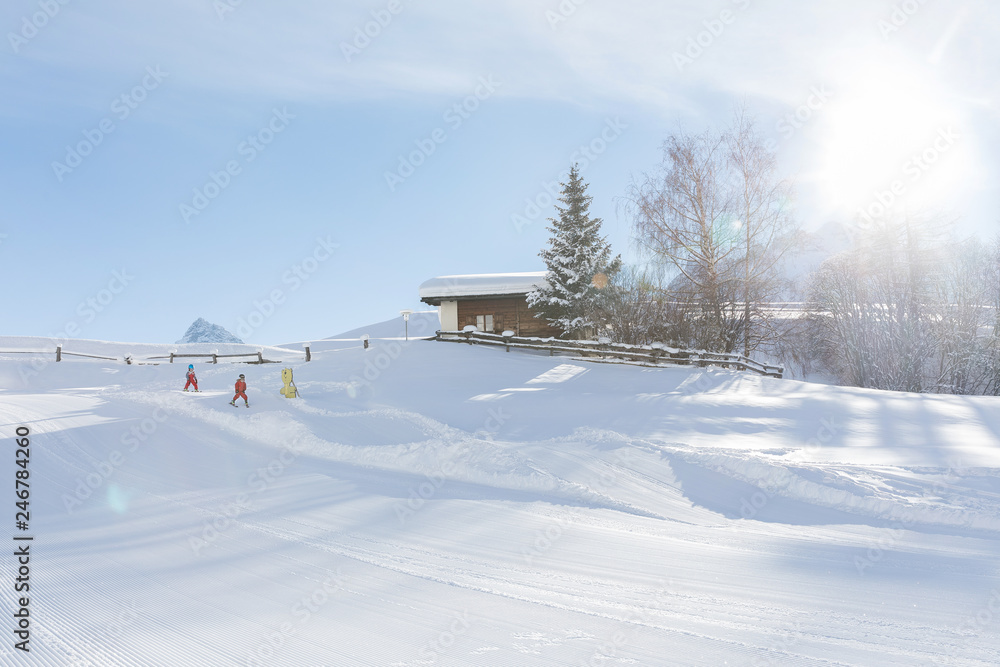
{"type": "Point", "coordinates": [423, 323]}
{"type": "Point", "coordinates": [203, 331]}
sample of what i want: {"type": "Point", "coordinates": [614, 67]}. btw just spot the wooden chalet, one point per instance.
{"type": "Point", "coordinates": [491, 302]}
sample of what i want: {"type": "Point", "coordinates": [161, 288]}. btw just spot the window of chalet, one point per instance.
{"type": "Point", "coordinates": [491, 323]}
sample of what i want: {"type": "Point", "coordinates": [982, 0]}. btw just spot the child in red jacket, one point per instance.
{"type": "Point", "coordinates": [241, 391]}
{"type": "Point", "coordinates": [191, 379]}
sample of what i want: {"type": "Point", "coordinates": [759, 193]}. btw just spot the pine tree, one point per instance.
{"type": "Point", "coordinates": [579, 264]}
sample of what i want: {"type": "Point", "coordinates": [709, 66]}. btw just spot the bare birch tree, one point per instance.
{"type": "Point", "coordinates": [716, 213]}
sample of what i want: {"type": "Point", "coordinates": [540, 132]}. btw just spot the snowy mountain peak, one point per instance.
{"type": "Point", "coordinates": [203, 331]}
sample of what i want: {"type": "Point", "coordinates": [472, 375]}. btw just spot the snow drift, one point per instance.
{"type": "Point", "coordinates": [481, 507]}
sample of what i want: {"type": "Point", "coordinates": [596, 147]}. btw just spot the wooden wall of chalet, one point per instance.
{"type": "Point", "coordinates": [508, 313]}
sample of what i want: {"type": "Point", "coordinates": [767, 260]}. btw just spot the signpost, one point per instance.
{"type": "Point", "coordinates": [406, 321]}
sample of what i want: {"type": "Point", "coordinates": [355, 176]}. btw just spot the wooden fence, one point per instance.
{"type": "Point", "coordinates": [59, 353]}
{"type": "Point", "coordinates": [128, 359]}
{"type": "Point", "coordinates": [215, 357]}
{"type": "Point", "coordinates": [653, 355]}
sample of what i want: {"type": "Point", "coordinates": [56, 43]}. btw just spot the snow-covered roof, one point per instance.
{"type": "Point", "coordinates": [483, 284]}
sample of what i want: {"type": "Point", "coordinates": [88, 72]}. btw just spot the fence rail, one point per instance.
{"type": "Point", "coordinates": [59, 352]}
{"type": "Point", "coordinates": [128, 359]}
{"type": "Point", "coordinates": [89, 356]}
{"type": "Point", "coordinates": [215, 357]}
{"type": "Point", "coordinates": [655, 354]}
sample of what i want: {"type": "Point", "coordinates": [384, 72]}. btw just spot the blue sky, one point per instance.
{"type": "Point", "coordinates": [885, 93]}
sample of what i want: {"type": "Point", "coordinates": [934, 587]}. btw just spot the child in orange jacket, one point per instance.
{"type": "Point", "coordinates": [241, 391]}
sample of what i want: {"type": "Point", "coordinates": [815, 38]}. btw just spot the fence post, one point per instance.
{"type": "Point", "coordinates": [308, 353]}
{"type": "Point", "coordinates": [215, 358]}
{"type": "Point", "coordinates": [58, 352]}
{"type": "Point", "coordinates": [260, 357]}
{"type": "Point", "coordinates": [171, 357]}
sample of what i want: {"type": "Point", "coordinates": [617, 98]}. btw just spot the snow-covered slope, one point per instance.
{"type": "Point", "coordinates": [430, 503]}
{"type": "Point", "coordinates": [422, 323]}
{"type": "Point", "coordinates": [203, 331]}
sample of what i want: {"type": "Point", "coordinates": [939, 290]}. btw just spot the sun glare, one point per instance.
{"type": "Point", "coordinates": [892, 144]}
